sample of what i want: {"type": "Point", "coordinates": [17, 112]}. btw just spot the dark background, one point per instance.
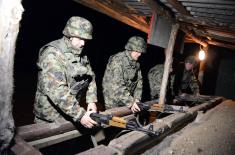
{"type": "Point", "coordinates": [43, 21]}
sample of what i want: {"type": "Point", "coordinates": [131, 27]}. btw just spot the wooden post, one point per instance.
{"type": "Point", "coordinates": [10, 16]}
{"type": "Point", "coordinates": [168, 62]}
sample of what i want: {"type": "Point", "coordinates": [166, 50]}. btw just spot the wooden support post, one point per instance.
{"type": "Point", "coordinates": [168, 62]}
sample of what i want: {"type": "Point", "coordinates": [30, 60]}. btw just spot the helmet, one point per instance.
{"type": "Point", "coordinates": [137, 44]}
{"type": "Point", "coordinates": [192, 60]}
{"type": "Point", "coordinates": [78, 27]}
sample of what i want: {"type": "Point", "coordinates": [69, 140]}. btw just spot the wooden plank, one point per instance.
{"type": "Point", "coordinates": [41, 143]}
{"type": "Point", "coordinates": [210, 1]}
{"type": "Point", "coordinates": [22, 148]}
{"type": "Point", "coordinates": [34, 132]}
{"type": "Point", "coordinates": [221, 33]}
{"type": "Point", "coordinates": [39, 131]}
{"type": "Point", "coordinates": [216, 35]}
{"type": "Point", "coordinates": [216, 43]}
{"type": "Point", "coordinates": [156, 8]}
{"type": "Point", "coordinates": [194, 38]}
{"type": "Point", "coordinates": [177, 6]}
{"type": "Point", "coordinates": [211, 6]}
{"type": "Point", "coordinates": [210, 15]}
{"type": "Point", "coordinates": [212, 11]}
{"type": "Point", "coordinates": [206, 22]}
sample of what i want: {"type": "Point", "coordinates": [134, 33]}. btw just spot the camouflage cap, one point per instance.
{"type": "Point", "coordinates": [78, 27]}
{"type": "Point", "coordinates": [192, 60]}
{"type": "Point", "coordinates": [137, 44]}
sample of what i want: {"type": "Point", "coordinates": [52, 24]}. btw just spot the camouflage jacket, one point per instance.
{"type": "Point", "coordinates": [185, 81]}
{"type": "Point", "coordinates": [122, 81]}
{"type": "Point", "coordinates": [64, 75]}
{"type": "Point", "coordinates": [155, 75]}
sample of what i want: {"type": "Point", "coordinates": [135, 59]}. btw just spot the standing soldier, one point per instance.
{"type": "Point", "coordinates": [64, 75]}
{"type": "Point", "coordinates": [185, 79]}
{"type": "Point", "coordinates": [122, 82]}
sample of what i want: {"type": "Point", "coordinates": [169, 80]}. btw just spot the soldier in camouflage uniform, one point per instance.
{"type": "Point", "coordinates": [185, 79]}
{"type": "Point", "coordinates": [155, 75]}
{"type": "Point", "coordinates": [122, 81]}
{"type": "Point", "coordinates": [64, 75]}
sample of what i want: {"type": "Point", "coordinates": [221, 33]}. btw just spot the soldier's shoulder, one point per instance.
{"type": "Point", "coordinates": [117, 57]}
{"type": "Point", "coordinates": [51, 50]}
{"type": "Point", "coordinates": [157, 68]}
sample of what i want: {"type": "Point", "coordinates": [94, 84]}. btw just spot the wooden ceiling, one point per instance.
{"type": "Point", "coordinates": [204, 21]}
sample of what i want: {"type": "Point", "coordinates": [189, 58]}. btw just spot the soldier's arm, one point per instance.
{"type": "Point", "coordinates": [91, 94]}
{"type": "Point", "coordinates": [54, 85]}
{"type": "Point", "coordinates": [139, 87]}
{"type": "Point", "coordinates": [155, 80]}
{"type": "Point", "coordinates": [119, 87]}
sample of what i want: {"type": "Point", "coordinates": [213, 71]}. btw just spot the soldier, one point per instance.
{"type": "Point", "coordinates": [155, 75]}
{"type": "Point", "coordinates": [64, 75]}
{"type": "Point", "coordinates": [122, 81]}
{"type": "Point", "coordinates": [185, 79]}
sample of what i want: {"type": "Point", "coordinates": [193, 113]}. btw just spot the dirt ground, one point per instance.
{"type": "Point", "coordinates": [212, 133]}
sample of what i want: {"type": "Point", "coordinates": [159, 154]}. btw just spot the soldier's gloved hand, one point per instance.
{"type": "Point", "coordinates": [134, 107]}
{"type": "Point", "coordinates": [86, 120]}
{"type": "Point", "coordinates": [92, 107]}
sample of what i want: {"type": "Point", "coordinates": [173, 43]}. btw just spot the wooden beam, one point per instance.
{"type": "Point", "coordinates": [168, 63]}
{"type": "Point", "coordinates": [22, 148]}
{"type": "Point", "coordinates": [113, 12]}
{"type": "Point", "coordinates": [216, 43]}
{"type": "Point", "coordinates": [193, 37]}
{"type": "Point", "coordinates": [217, 20]}
{"type": "Point", "coordinates": [156, 8]}
{"type": "Point", "coordinates": [211, 6]}
{"type": "Point", "coordinates": [48, 141]}
{"type": "Point", "coordinates": [34, 132]}
{"type": "Point", "coordinates": [188, 39]}
{"type": "Point", "coordinates": [207, 28]}
{"type": "Point", "coordinates": [212, 11]}
{"type": "Point", "coordinates": [210, 1]}
{"type": "Point", "coordinates": [210, 15]}
{"type": "Point", "coordinates": [215, 35]}
{"type": "Point", "coordinates": [177, 6]}
{"type": "Point", "coordinates": [205, 22]}
{"type": "Point", "coordinates": [221, 33]}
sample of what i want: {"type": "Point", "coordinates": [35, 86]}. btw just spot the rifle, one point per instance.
{"type": "Point", "coordinates": [121, 123]}
{"type": "Point", "coordinates": [153, 106]}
